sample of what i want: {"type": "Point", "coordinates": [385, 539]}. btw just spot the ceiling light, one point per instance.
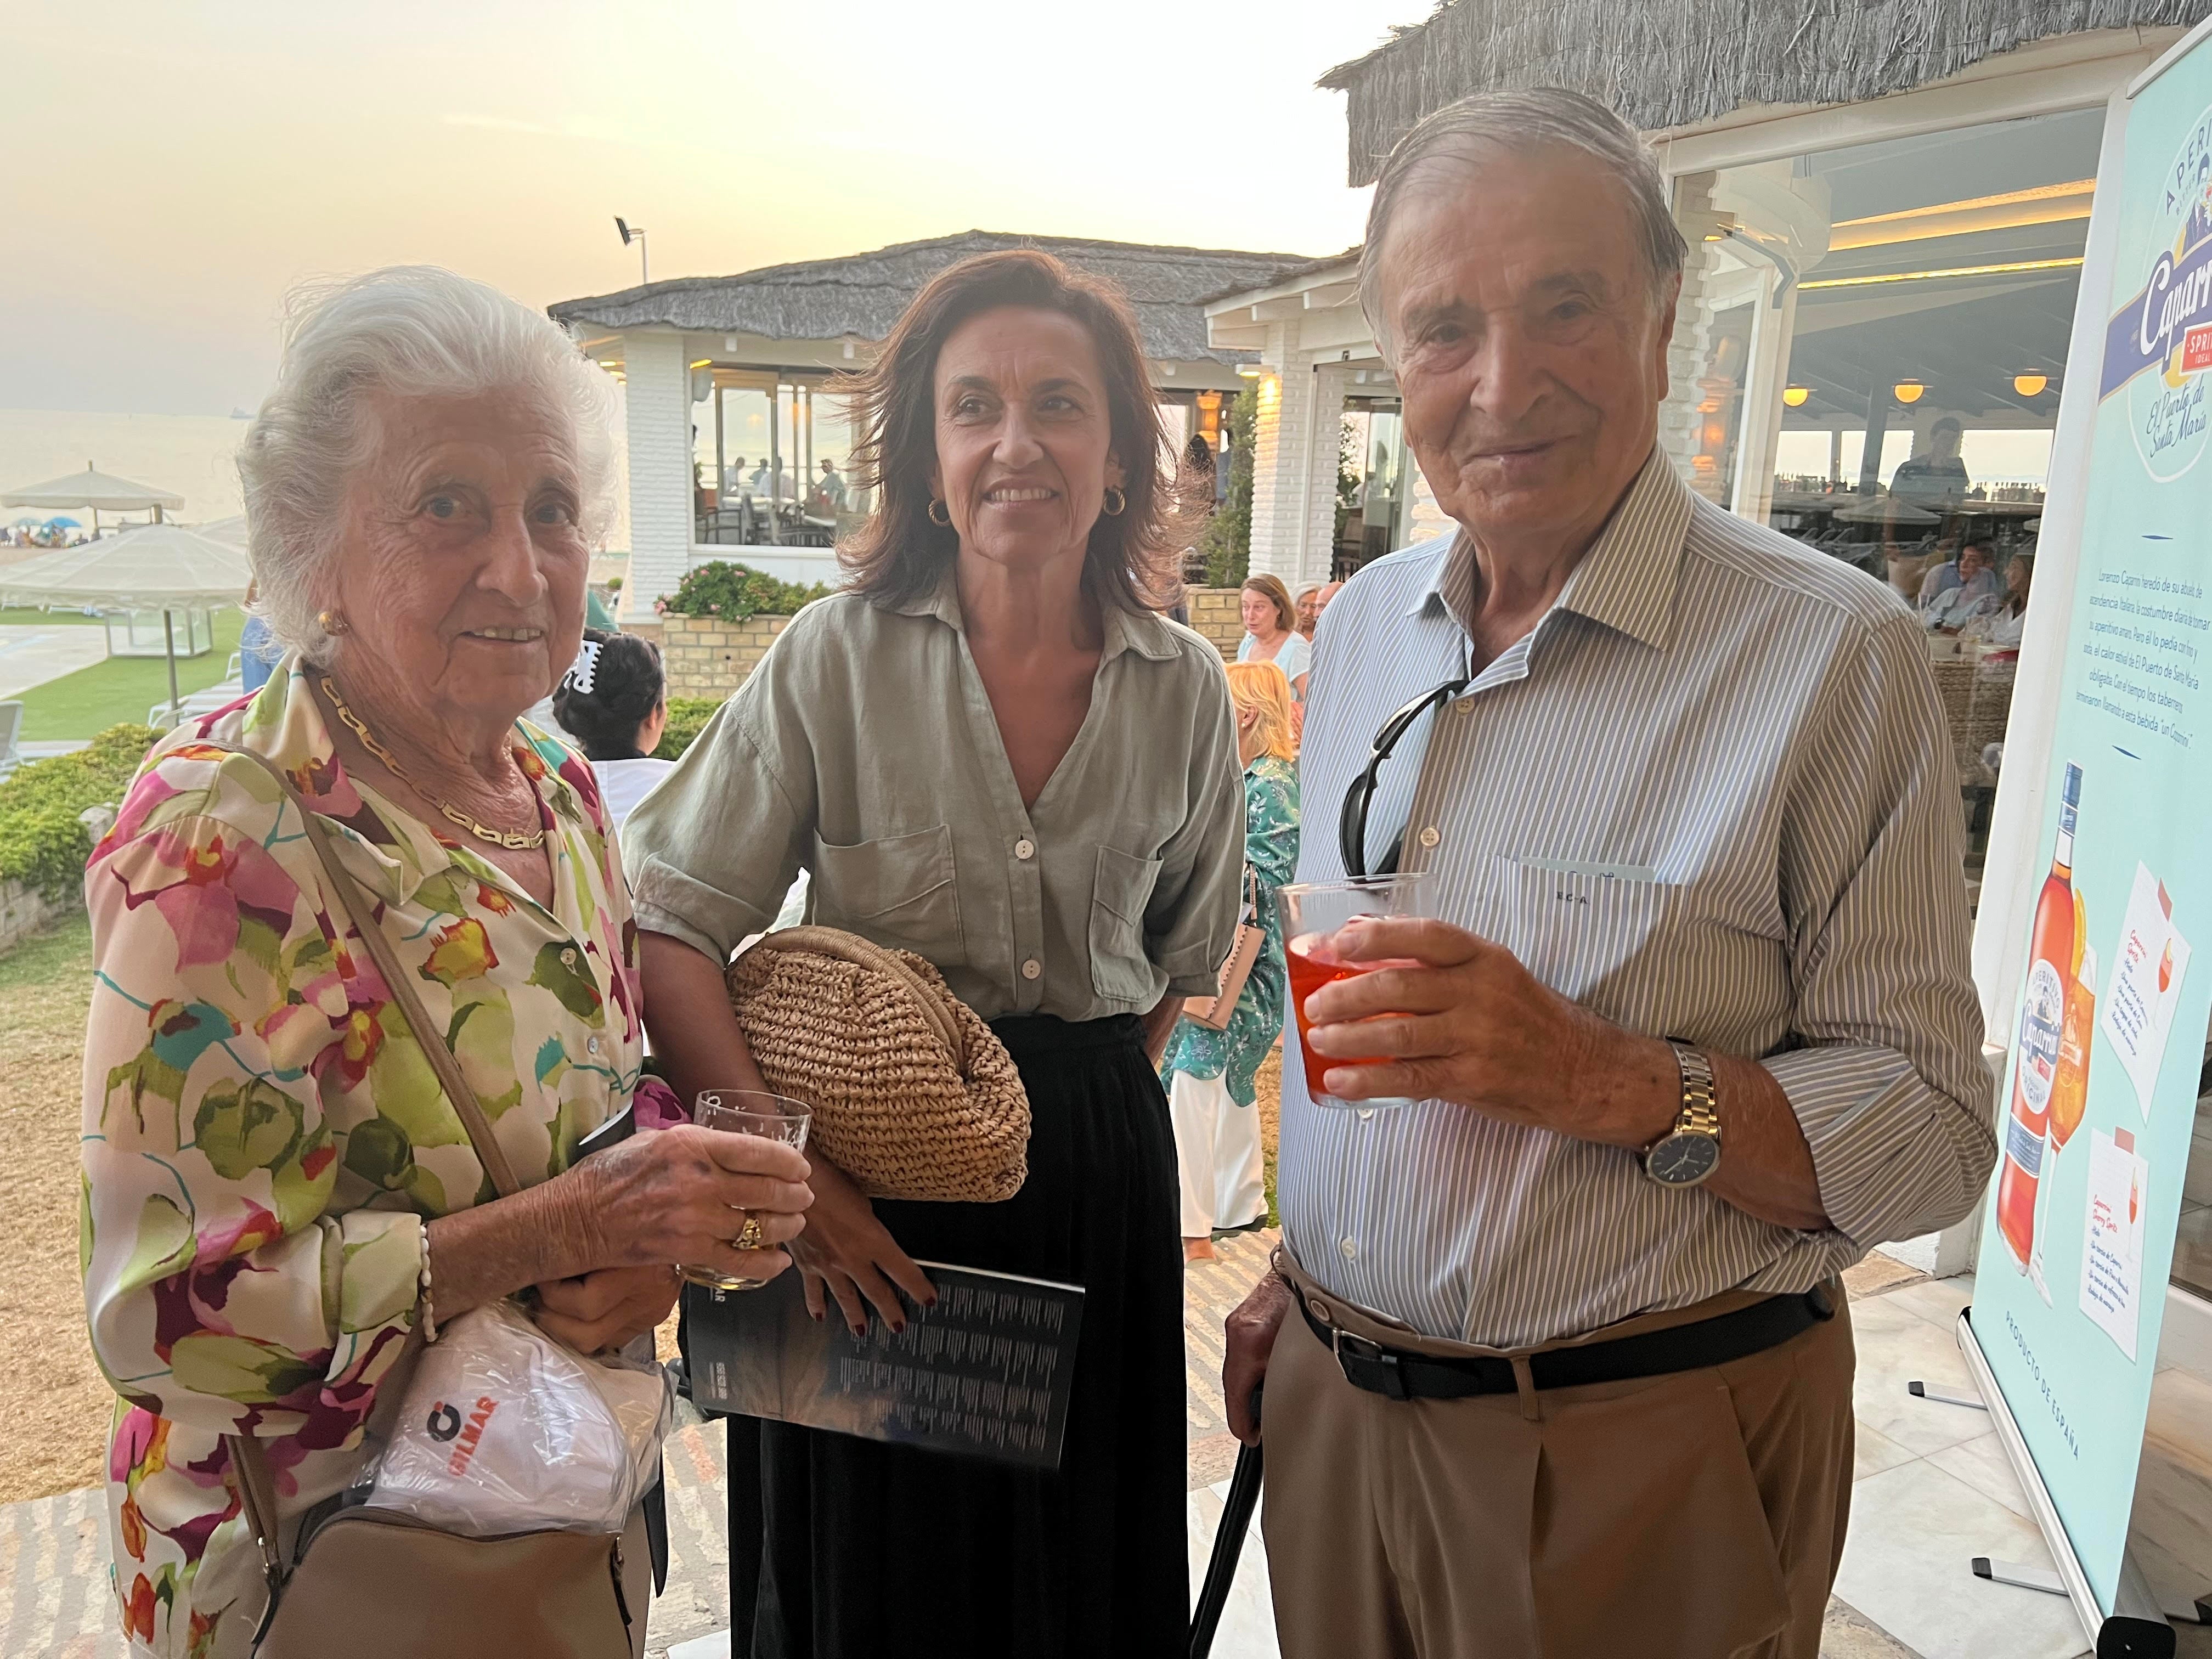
{"type": "Point", "coordinates": [2029, 385]}
{"type": "Point", "coordinates": [2046, 205]}
{"type": "Point", "coordinates": [1250, 371]}
{"type": "Point", "coordinates": [2007, 270]}
{"type": "Point", "coordinates": [2040, 194]}
{"type": "Point", "coordinates": [1794, 396]}
{"type": "Point", "coordinates": [1909, 391]}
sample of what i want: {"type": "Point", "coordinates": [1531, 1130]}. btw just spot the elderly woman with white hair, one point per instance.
{"type": "Point", "coordinates": [282, 1197]}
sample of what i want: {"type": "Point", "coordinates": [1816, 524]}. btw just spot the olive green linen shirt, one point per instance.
{"type": "Point", "coordinates": [863, 749]}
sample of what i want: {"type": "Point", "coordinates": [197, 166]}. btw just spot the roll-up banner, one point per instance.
{"type": "Point", "coordinates": [2109, 1018]}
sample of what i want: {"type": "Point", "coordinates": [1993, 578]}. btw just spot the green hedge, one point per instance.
{"type": "Point", "coordinates": [687, 717]}
{"type": "Point", "coordinates": [41, 843]}
{"type": "Point", "coordinates": [735, 591]}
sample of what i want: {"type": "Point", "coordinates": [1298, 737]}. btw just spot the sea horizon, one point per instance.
{"type": "Point", "coordinates": [195, 456]}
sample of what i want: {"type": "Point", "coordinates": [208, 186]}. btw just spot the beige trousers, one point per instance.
{"type": "Point", "coordinates": [1695, 1516]}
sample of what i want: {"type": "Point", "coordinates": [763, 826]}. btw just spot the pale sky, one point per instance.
{"type": "Point", "coordinates": [172, 165]}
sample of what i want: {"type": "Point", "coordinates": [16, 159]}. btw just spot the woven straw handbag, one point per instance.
{"type": "Point", "coordinates": [912, 1094]}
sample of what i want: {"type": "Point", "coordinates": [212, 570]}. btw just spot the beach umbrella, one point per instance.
{"type": "Point", "coordinates": [26, 521]}
{"type": "Point", "coordinates": [156, 567]}
{"type": "Point", "coordinates": [1882, 507]}
{"type": "Point", "coordinates": [62, 524]}
{"type": "Point", "coordinates": [96, 491]}
{"type": "Point", "coordinates": [231, 529]}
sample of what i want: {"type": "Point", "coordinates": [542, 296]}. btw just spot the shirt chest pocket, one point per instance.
{"type": "Point", "coordinates": [1119, 893]}
{"type": "Point", "coordinates": [898, 891]}
{"type": "Point", "coordinates": [1616, 942]}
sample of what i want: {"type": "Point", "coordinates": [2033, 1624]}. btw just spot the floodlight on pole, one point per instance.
{"type": "Point", "coordinates": [631, 232]}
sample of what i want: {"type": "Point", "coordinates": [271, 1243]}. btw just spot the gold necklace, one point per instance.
{"type": "Point", "coordinates": [519, 841]}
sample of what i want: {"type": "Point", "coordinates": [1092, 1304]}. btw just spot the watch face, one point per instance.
{"type": "Point", "coordinates": [1683, 1160]}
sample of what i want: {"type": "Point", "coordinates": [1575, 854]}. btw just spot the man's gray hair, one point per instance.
{"type": "Point", "coordinates": [1518, 123]}
{"type": "Point", "coordinates": [403, 331]}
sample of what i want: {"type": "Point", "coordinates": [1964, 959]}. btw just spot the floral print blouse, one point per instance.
{"type": "Point", "coordinates": [264, 1140]}
{"type": "Point", "coordinates": [1271, 854]}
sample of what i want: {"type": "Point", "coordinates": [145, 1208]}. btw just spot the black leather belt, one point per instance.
{"type": "Point", "coordinates": [1404, 1376]}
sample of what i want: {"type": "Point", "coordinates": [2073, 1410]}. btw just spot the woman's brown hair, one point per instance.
{"type": "Point", "coordinates": [1277, 594]}
{"type": "Point", "coordinates": [1135, 557]}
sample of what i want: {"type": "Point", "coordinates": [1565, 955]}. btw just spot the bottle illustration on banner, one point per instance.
{"type": "Point", "coordinates": [2051, 954]}
{"type": "Point", "coordinates": [2070, 1084]}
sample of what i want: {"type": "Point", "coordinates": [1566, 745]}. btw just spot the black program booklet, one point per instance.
{"type": "Point", "coordinates": [986, 1372]}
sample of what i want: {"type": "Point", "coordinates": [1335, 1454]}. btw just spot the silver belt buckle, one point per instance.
{"type": "Point", "coordinates": [1368, 1353]}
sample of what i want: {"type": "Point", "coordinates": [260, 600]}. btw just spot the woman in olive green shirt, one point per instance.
{"type": "Point", "coordinates": [991, 750]}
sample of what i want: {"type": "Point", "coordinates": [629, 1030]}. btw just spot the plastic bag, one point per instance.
{"type": "Point", "coordinates": [505, 1429]}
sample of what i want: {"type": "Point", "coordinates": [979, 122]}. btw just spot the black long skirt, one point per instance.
{"type": "Point", "coordinates": [843, 1548]}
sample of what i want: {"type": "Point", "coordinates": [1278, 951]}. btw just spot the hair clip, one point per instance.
{"type": "Point", "coordinates": [583, 671]}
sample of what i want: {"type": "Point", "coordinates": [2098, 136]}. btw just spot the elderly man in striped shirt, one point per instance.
{"type": "Point", "coordinates": [1556, 1358]}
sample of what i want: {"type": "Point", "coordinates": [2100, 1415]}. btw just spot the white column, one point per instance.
{"type": "Point", "coordinates": [1425, 520]}
{"type": "Point", "coordinates": [1679, 416]}
{"type": "Point", "coordinates": [658, 387]}
{"type": "Point", "coordinates": [1280, 441]}
{"type": "Point", "coordinates": [1329, 382]}
{"type": "Point", "coordinates": [1759, 437]}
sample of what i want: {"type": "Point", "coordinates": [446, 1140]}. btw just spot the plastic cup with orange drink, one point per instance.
{"type": "Point", "coordinates": [1312, 915]}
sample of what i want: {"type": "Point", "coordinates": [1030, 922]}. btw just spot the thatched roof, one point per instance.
{"type": "Point", "coordinates": [861, 295]}
{"type": "Point", "coordinates": [1672, 63]}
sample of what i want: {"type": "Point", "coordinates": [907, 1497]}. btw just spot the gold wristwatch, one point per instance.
{"type": "Point", "coordinates": [1689, 1153]}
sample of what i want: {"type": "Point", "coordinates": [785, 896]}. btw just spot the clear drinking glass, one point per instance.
{"type": "Point", "coordinates": [1313, 912]}
{"type": "Point", "coordinates": [747, 1112]}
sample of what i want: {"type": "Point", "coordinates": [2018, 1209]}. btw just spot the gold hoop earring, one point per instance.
{"type": "Point", "coordinates": [331, 622]}
{"type": "Point", "coordinates": [1115, 502]}
{"type": "Point", "coordinates": [937, 508]}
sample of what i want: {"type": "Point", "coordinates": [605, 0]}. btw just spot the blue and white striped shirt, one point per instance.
{"type": "Point", "coordinates": [1709, 796]}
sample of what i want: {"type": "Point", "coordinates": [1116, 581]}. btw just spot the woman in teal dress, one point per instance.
{"type": "Point", "coordinates": [1209, 1074]}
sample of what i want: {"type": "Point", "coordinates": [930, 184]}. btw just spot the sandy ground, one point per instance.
{"type": "Point", "coordinates": [52, 1399]}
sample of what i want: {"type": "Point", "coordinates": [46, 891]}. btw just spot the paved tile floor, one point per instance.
{"type": "Point", "coordinates": [30, 656]}
{"type": "Point", "coordinates": [1933, 1490]}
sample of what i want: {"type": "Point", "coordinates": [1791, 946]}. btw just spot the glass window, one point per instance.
{"type": "Point", "coordinates": [1372, 471]}
{"type": "Point", "coordinates": [1868, 354]}
{"type": "Point", "coordinates": [1880, 334]}
{"type": "Point", "coordinates": [771, 457]}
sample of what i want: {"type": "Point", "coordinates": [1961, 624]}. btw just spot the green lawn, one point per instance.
{"type": "Point", "coordinates": [20, 615]}
{"type": "Point", "coordinates": [88, 701]}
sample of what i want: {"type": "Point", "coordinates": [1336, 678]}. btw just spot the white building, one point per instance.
{"type": "Point", "coordinates": [731, 385]}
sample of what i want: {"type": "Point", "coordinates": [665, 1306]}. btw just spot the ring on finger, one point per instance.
{"type": "Point", "coordinates": [750, 1237]}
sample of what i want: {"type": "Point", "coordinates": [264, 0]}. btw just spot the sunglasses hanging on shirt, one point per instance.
{"type": "Point", "coordinates": [1359, 798]}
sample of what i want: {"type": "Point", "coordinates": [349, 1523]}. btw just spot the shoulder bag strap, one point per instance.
{"type": "Point", "coordinates": [359, 907]}
{"type": "Point", "coordinates": [257, 1497]}
{"type": "Point", "coordinates": [257, 1485]}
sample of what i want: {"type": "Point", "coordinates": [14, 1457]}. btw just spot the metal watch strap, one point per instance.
{"type": "Point", "coordinates": [1701, 1108]}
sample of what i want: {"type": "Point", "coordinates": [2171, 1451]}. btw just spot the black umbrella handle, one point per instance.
{"type": "Point", "coordinates": [1228, 1544]}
